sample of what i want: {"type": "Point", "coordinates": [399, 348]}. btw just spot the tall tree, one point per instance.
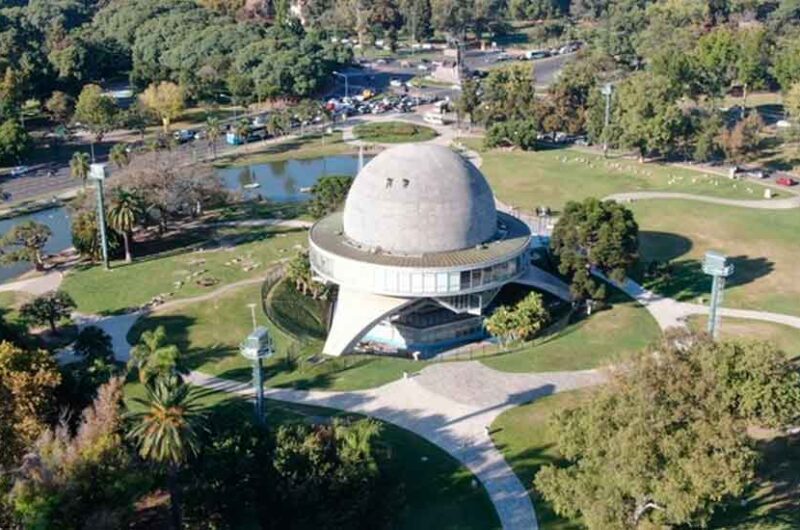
{"type": "Point", "coordinates": [328, 194]}
{"type": "Point", "coordinates": [166, 100]}
{"type": "Point", "coordinates": [119, 155]}
{"type": "Point", "coordinates": [60, 106]}
{"type": "Point", "coordinates": [593, 234]}
{"type": "Point", "coordinates": [123, 216]}
{"type": "Point", "coordinates": [166, 431]}
{"type": "Point", "coordinates": [28, 380]}
{"type": "Point", "coordinates": [665, 442]}
{"type": "Point", "coordinates": [96, 111]}
{"type": "Point", "coordinates": [417, 18]}
{"type": "Point", "coordinates": [154, 357]}
{"type": "Point", "coordinates": [213, 133]}
{"type": "Point", "coordinates": [25, 242]}
{"type": "Point", "coordinates": [79, 166]}
{"type": "Point", "coordinates": [521, 322]}
{"type": "Point", "coordinates": [14, 141]}
{"type": "Point", "coordinates": [49, 308]}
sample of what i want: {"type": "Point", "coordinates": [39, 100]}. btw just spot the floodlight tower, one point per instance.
{"type": "Point", "coordinates": [256, 347]}
{"type": "Point", "coordinates": [97, 173]}
{"type": "Point", "coordinates": [716, 265]}
{"type": "Point", "coordinates": [606, 90]}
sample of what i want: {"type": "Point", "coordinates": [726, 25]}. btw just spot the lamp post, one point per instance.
{"type": "Point", "coordinates": [607, 90]}
{"type": "Point", "coordinates": [716, 265]}
{"type": "Point", "coordinates": [256, 347]}
{"type": "Point", "coordinates": [97, 173]}
{"type": "Point", "coordinates": [346, 87]}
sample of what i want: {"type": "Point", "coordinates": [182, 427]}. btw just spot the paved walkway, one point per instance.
{"type": "Point", "coordinates": [49, 281]}
{"type": "Point", "coordinates": [761, 204]}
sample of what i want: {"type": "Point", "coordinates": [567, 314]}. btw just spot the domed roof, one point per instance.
{"type": "Point", "coordinates": [419, 198]}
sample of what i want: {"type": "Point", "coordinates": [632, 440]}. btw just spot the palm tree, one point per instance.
{"type": "Point", "coordinates": [153, 357]}
{"type": "Point", "coordinates": [213, 132]}
{"type": "Point", "coordinates": [125, 212]}
{"type": "Point", "coordinates": [242, 129]}
{"type": "Point", "coordinates": [119, 155]}
{"type": "Point", "coordinates": [79, 166]}
{"type": "Point", "coordinates": [166, 431]}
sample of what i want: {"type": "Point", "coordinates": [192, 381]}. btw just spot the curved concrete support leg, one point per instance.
{"type": "Point", "coordinates": [540, 279]}
{"type": "Point", "coordinates": [356, 313]}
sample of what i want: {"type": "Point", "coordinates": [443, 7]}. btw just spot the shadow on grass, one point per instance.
{"type": "Point", "coordinates": [663, 246]}
{"type": "Point", "coordinates": [685, 279]}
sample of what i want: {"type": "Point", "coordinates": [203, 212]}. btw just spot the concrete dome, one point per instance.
{"type": "Point", "coordinates": [420, 198]}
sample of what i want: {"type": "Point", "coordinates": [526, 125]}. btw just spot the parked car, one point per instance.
{"type": "Point", "coordinates": [396, 83]}
{"type": "Point", "coordinates": [19, 171]}
{"type": "Point", "coordinates": [786, 181]}
{"type": "Point", "coordinates": [183, 136]}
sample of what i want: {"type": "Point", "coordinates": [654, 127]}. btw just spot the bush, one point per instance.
{"type": "Point", "coordinates": [513, 133]}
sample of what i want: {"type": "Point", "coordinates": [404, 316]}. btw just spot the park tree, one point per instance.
{"type": "Point", "coordinates": [166, 431]}
{"type": "Point", "coordinates": [123, 215]}
{"type": "Point", "coordinates": [791, 101]}
{"type": "Point", "coordinates": [60, 107]}
{"type": "Point", "coordinates": [786, 61]}
{"type": "Point", "coordinates": [81, 477]}
{"type": "Point", "coordinates": [213, 133]}
{"type": "Point", "coordinates": [521, 322]}
{"type": "Point", "coordinates": [513, 133]}
{"type": "Point", "coordinates": [665, 442]}
{"type": "Point", "coordinates": [591, 236]}
{"type": "Point", "coordinates": [751, 61]}
{"type": "Point", "coordinates": [454, 17]}
{"type": "Point", "coordinates": [79, 166]}
{"type": "Point", "coordinates": [298, 271]}
{"type": "Point", "coordinates": [92, 343]}
{"type": "Point", "coordinates": [154, 358]}
{"type": "Point", "coordinates": [86, 235]}
{"type": "Point", "coordinates": [417, 18]}
{"type": "Point", "coordinates": [25, 242]}
{"type": "Point", "coordinates": [742, 141]}
{"type": "Point", "coordinates": [119, 155]}
{"type": "Point", "coordinates": [707, 145]}
{"type": "Point", "coordinates": [647, 115]}
{"type": "Point", "coordinates": [14, 141]}
{"type": "Point", "coordinates": [28, 381]}
{"type": "Point", "coordinates": [469, 100]}
{"type": "Point", "coordinates": [715, 59]}
{"type": "Point", "coordinates": [508, 94]}
{"type": "Point", "coordinates": [96, 111]}
{"type": "Point", "coordinates": [386, 15]}
{"type": "Point", "coordinates": [328, 194]}
{"type": "Point", "coordinates": [166, 100]}
{"type": "Point", "coordinates": [49, 308]}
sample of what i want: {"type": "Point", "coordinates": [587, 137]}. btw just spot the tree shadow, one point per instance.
{"type": "Point", "coordinates": [685, 279]}
{"type": "Point", "coordinates": [663, 246]}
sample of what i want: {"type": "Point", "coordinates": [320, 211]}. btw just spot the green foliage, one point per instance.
{"type": "Point", "coordinates": [28, 380]}
{"type": "Point", "coordinates": [328, 194]}
{"type": "Point", "coordinates": [124, 214]}
{"type": "Point", "coordinates": [508, 94]}
{"type": "Point", "coordinates": [60, 106]}
{"type": "Point", "coordinates": [393, 132]}
{"type": "Point", "coordinates": [154, 358]}
{"type": "Point", "coordinates": [119, 155]}
{"type": "Point", "coordinates": [79, 166]}
{"type": "Point", "coordinates": [96, 111]}
{"type": "Point", "coordinates": [166, 100]}
{"type": "Point", "coordinates": [25, 242]}
{"type": "Point", "coordinates": [520, 323]}
{"type": "Point", "coordinates": [786, 62]}
{"type": "Point", "coordinates": [742, 140]}
{"type": "Point", "coordinates": [49, 308]}
{"type": "Point", "coordinates": [86, 235]}
{"type": "Point", "coordinates": [791, 101]}
{"type": "Point", "coordinates": [85, 480]}
{"type": "Point", "coordinates": [512, 133]}
{"type": "Point", "coordinates": [593, 234]}
{"type": "Point", "coordinates": [93, 343]}
{"type": "Point", "coordinates": [298, 272]}
{"type": "Point", "coordinates": [665, 442]}
{"type": "Point", "coordinates": [707, 139]}
{"type": "Point", "coordinates": [14, 141]}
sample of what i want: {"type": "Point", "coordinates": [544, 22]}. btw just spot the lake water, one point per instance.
{"type": "Point", "coordinates": [285, 181]}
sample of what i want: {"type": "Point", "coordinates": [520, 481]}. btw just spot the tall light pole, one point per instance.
{"type": "Point", "coordinates": [256, 347]}
{"type": "Point", "coordinates": [97, 173]}
{"type": "Point", "coordinates": [607, 90]}
{"type": "Point", "coordinates": [716, 265]}
{"type": "Point", "coordinates": [346, 87]}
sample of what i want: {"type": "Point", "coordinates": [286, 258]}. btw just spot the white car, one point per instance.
{"type": "Point", "coordinates": [19, 171]}
{"type": "Point", "coordinates": [396, 83]}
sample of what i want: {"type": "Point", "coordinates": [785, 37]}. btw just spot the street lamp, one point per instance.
{"type": "Point", "coordinates": [97, 173]}
{"type": "Point", "coordinates": [346, 88]}
{"type": "Point", "coordinates": [256, 347]}
{"type": "Point", "coordinates": [716, 265]}
{"type": "Point", "coordinates": [607, 90]}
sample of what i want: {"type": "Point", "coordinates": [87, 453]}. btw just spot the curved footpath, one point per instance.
{"type": "Point", "coordinates": [761, 204]}
{"type": "Point", "coordinates": [451, 404]}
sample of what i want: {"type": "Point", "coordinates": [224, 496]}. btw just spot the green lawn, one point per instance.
{"type": "Point", "coordinates": [553, 177]}
{"type": "Point", "coordinates": [312, 145]}
{"type": "Point", "coordinates": [10, 302]}
{"type": "Point", "coordinates": [603, 338]}
{"type": "Point", "coordinates": [226, 258]}
{"type": "Point", "coordinates": [763, 244]}
{"type": "Point", "coordinates": [438, 491]}
{"type": "Point", "coordinates": [209, 334]}
{"type": "Point", "coordinates": [524, 436]}
{"type": "Point", "coordinates": [786, 338]}
{"type": "Point", "coordinates": [391, 132]}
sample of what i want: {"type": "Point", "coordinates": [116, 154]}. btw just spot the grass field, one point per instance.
{"type": "Point", "coordinates": [524, 436]}
{"type": "Point", "coordinates": [311, 145]}
{"type": "Point", "coordinates": [438, 491]}
{"type": "Point", "coordinates": [763, 245]}
{"type": "Point", "coordinates": [392, 132]}
{"type": "Point", "coordinates": [553, 177]}
{"type": "Point", "coordinates": [227, 254]}
{"type": "Point", "coordinates": [601, 339]}
{"type": "Point", "coordinates": [209, 334]}
{"type": "Point", "coordinates": [784, 337]}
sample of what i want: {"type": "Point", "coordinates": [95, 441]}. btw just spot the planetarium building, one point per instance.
{"type": "Point", "coordinates": [418, 253]}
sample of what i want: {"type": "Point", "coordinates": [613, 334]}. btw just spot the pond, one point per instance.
{"type": "Point", "coordinates": [288, 180]}
{"type": "Point", "coordinates": [283, 181]}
